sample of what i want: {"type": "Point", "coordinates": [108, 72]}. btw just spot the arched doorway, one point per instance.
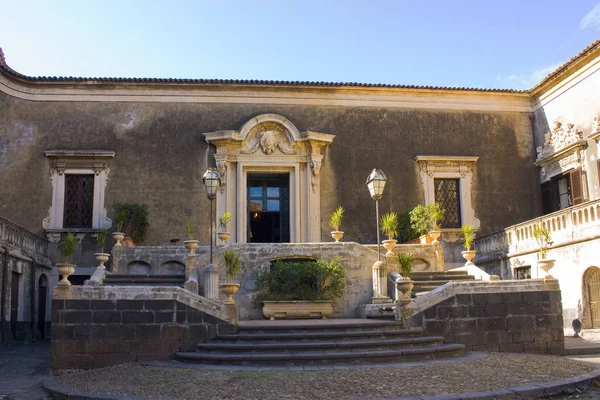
{"type": "Point", "coordinates": [42, 293]}
{"type": "Point", "coordinates": [591, 297]}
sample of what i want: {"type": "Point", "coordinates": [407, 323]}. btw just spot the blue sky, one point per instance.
{"type": "Point", "coordinates": [483, 43]}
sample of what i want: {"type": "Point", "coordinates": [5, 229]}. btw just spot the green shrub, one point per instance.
{"type": "Point", "coordinates": [335, 221]}
{"type": "Point", "coordinates": [542, 237]}
{"type": "Point", "coordinates": [389, 224]}
{"type": "Point", "coordinates": [224, 220]}
{"type": "Point", "coordinates": [136, 223]}
{"type": "Point", "coordinates": [101, 239]}
{"type": "Point", "coordinates": [405, 231]}
{"type": "Point", "coordinates": [405, 262]}
{"type": "Point", "coordinates": [301, 280]}
{"type": "Point", "coordinates": [468, 235]}
{"type": "Point", "coordinates": [231, 263]}
{"type": "Point", "coordinates": [67, 248]}
{"type": "Point", "coordinates": [425, 218]}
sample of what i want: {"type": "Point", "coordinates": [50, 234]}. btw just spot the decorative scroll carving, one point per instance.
{"type": "Point", "coordinates": [596, 124]}
{"type": "Point", "coordinates": [222, 168]}
{"type": "Point", "coordinates": [315, 167]}
{"type": "Point", "coordinates": [558, 138]}
{"type": "Point", "coordinates": [268, 141]}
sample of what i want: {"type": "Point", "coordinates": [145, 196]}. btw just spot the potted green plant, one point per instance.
{"type": "Point", "coordinates": [425, 221]}
{"type": "Point", "coordinates": [335, 222]}
{"type": "Point", "coordinates": [389, 225]}
{"type": "Point", "coordinates": [101, 256]}
{"type": "Point", "coordinates": [405, 283]}
{"type": "Point", "coordinates": [119, 218]}
{"type": "Point", "coordinates": [300, 288]}
{"type": "Point", "coordinates": [135, 223]}
{"type": "Point", "coordinates": [223, 221]}
{"type": "Point", "coordinates": [191, 244]}
{"type": "Point", "coordinates": [230, 262]}
{"type": "Point", "coordinates": [468, 237]}
{"type": "Point", "coordinates": [544, 240]}
{"type": "Point", "coordinates": [67, 251]}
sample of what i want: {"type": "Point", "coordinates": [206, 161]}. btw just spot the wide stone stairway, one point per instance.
{"type": "Point", "coordinates": [321, 342]}
{"type": "Point", "coordinates": [144, 280]}
{"type": "Point", "coordinates": [425, 282]}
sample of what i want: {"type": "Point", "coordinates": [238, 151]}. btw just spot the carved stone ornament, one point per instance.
{"type": "Point", "coordinates": [222, 168]}
{"type": "Point", "coordinates": [595, 134]}
{"type": "Point", "coordinates": [269, 141]}
{"type": "Point", "coordinates": [315, 167]}
{"type": "Point", "coordinates": [558, 138]}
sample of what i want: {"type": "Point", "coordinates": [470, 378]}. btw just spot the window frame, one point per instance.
{"type": "Point", "coordinates": [74, 162]}
{"type": "Point", "coordinates": [450, 167]}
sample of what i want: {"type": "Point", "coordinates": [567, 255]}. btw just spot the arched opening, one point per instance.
{"type": "Point", "coordinates": [42, 294]}
{"type": "Point", "coordinates": [591, 298]}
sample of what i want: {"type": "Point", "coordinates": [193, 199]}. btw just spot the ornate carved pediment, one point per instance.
{"type": "Point", "coordinates": [268, 139]}
{"type": "Point", "coordinates": [558, 138]}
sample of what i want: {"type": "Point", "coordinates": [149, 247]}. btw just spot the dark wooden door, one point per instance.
{"type": "Point", "coordinates": [14, 304]}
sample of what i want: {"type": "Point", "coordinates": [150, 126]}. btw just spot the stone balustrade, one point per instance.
{"type": "Point", "coordinates": [23, 239]}
{"type": "Point", "coordinates": [571, 225]}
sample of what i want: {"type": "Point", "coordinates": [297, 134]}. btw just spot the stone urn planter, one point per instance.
{"type": "Point", "coordinates": [337, 235]}
{"type": "Point", "coordinates": [546, 265]}
{"type": "Point", "coordinates": [435, 235]}
{"type": "Point", "coordinates": [127, 242]}
{"type": "Point", "coordinates": [469, 255]}
{"type": "Point", "coordinates": [118, 236]}
{"type": "Point", "coordinates": [424, 239]}
{"type": "Point", "coordinates": [65, 270]}
{"type": "Point", "coordinates": [405, 286]}
{"type": "Point", "coordinates": [223, 237]}
{"type": "Point", "coordinates": [229, 289]}
{"type": "Point", "coordinates": [297, 309]}
{"type": "Point", "coordinates": [102, 258]}
{"type": "Point", "coordinates": [389, 245]}
{"type": "Point", "coordinates": [191, 245]}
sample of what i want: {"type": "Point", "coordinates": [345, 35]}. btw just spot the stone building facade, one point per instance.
{"type": "Point", "coordinates": [289, 153]}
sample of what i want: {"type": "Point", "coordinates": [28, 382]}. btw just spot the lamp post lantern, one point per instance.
{"type": "Point", "coordinates": [212, 181]}
{"type": "Point", "coordinates": [376, 183]}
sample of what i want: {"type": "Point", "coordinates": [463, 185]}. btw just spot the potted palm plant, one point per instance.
{"type": "Point", "coordinates": [436, 215]}
{"type": "Point", "coordinates": [405, 283]}
{"type": "Point", "coordinates": [468, 237]}
{"type": "Point", "coordinates": [300, 289]}
{"type": "Point", "coordinates": [230, 261]}
{"type": "Point", "coordinates": [101, 256]}
{"type": "Point", "coordinates": [335, 222]}
{"type": "Point", "coordinates": [190, 244]}
{"type": "Point", "coordinates": [223, 221]}
{"type": "Point", "coordinates": [67, 250]}
{"type": "Point", "coordinates": [389, 226]}
{"type": "Point", "coordinates": [135, 222]}
{"type": "Point", "coordinates": [544, 240]}
{"type": "Point", "coordinates": [119, 217]}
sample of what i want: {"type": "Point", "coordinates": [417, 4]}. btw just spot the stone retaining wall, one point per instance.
{"type": "Point", "coordinates": [526, 320]}
{"type": "Point", "coordinates": [99, 327]}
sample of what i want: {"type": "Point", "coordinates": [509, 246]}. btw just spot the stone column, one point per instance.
{"type": "Point", "coordinates": [211, 282]}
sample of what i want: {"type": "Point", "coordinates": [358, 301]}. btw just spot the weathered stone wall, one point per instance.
{"type": "Point", "coordinates": [99, 333]}
{"type": "Point", "coordinates": [517, 321]}
{"type": "Point", "coordinates": [366, 137]}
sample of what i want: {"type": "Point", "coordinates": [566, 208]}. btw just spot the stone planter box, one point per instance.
{"type": "Point", "coordinates": [297, 309]}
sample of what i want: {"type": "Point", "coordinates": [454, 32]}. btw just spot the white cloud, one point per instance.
{"type": "Point", "coordinates": [591, 19]}
{"type": "Point", "coordinates": [526, 81]}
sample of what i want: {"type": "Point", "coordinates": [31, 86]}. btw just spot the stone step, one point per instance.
{"type": "Point", "coordinates": [136, 279]}
{"type": "Point", "coordinates": [334, 336]}
{"type": "Point", "coordinates": [322, 326]}
{"type": "Point", "coordinates": [432, 282]}
{"type": "Point", "coordinates": [443, 278]}
{"type": "Point", "coordinates": [309, 345]}
{"type": "Point", "coordinates": [324, 357]}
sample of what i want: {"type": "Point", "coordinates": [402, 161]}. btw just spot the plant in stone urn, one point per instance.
{"type": "Point", "coordinates": [425, 219]}
{"type": "Point", "coordinates": [119, 217]}
{"type": "Point", "coordinates": [223, 221]}
{"type": "Point", "coordinates": [405, 283]}
{"type": "Point", "coordinates": [230, 261]}
{"type": "Point", "coordinates": [67, 250]}
{"type": "Point", "coordinates": [190, 244]}
{"type": "Point", "coordinates": [468, 237]}
{"type": "Point", "coordinates": [101, 256]}
{"type": "Point", "coordinates": [389, 226]}
{"type": "Point", "coordinates": [335, 222]}
{"type": "Point", "coordinates": [544, 241]}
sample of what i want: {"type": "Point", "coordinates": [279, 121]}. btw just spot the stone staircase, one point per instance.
{"type": "Point", "coordinates": [144, 280]}
{"type": "Point", "coordinates": [320, 342]}
{"type": "Point", "coordinates": [427, 281]}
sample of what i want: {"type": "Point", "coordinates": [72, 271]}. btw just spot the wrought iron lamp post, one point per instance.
{"type": "Point", "coordinates": [212, 181]}
{"type": "Point", "coordinates": [376, 183]}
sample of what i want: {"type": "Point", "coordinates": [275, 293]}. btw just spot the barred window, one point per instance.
{"type": "Point", "coordinates": [447, 194]}
{"type": "Point", "coordinates": [79, 201]}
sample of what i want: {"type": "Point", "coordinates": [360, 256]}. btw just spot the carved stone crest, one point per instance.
{"type": "Point", "coordinates": [558, 138]}
{"type": "Point", "coordinates": [269, 141]}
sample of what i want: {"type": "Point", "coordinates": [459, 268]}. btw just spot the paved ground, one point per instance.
{"type": "Point", "coordinates": [22, 369]}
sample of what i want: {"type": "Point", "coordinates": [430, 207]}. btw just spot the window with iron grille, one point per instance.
{"type": "Point", "coordinates": [447, 194]}
{"type": "Point", "coordinates": [79, 201]}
